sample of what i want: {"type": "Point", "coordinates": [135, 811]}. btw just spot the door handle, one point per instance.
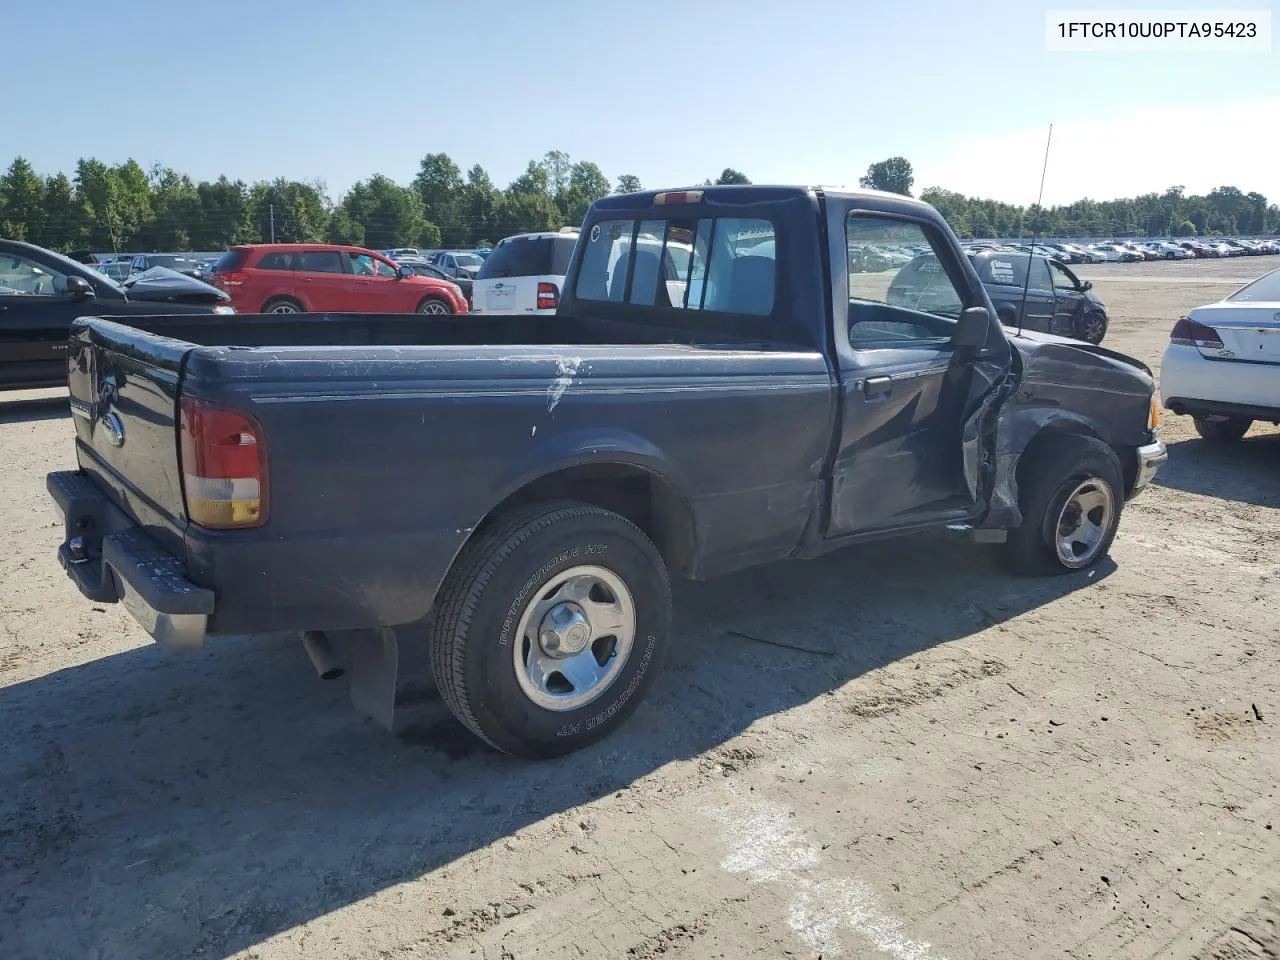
{"type": "Point", "coordinates": [877, 388]}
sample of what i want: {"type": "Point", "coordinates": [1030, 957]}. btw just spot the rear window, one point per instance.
{"type": "Point", "coordinates": [725, 264]}
{"type": "Point", "coordinates": [1263, 290]}
{"type": "Point", "coordinates": [521, 257]}
{"type": "Point", "coordinates": [276, 261]}
{"type": "Point", "coordinates": [231, 260]}
{"type": "Point", "coordinates": [562, 253]}
{"type": "Point", "coordinates": [1001, 270]}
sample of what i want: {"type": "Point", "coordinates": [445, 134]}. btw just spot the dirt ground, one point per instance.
{"type": "Point", "coordinates": [896, 751]}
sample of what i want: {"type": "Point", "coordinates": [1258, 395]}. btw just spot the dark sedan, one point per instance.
{"type": "Point", "coordinates": [42, 292]}
{"type": "Point", "coordinates": [423, 269]}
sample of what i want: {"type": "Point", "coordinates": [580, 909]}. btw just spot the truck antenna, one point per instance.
{"type": "Point", "coordinates": [1026, 283]}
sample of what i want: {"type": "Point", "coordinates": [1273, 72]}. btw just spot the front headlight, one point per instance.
{"type": "Point", "coordinates": [224, 309]}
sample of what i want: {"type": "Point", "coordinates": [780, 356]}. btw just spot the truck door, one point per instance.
{"type": "Point", "coordinates": [906, 393]}
{"type": "Point", "coordinates": [35, 317]}
{"type": "Point", "coordinates": [1069, 300]}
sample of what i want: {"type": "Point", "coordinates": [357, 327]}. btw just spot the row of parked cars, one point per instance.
{"type": "Point", "coordinates": [1129, 251]}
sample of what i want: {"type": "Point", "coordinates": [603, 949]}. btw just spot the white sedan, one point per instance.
{"type": "Point", "coordinates": [1222, 365]}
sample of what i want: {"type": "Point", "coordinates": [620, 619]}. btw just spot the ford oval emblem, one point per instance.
{"type": "Point", "coordinates": [115, 429]}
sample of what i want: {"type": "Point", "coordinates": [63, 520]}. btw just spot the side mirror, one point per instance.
{"type": "Point", "coordinates": [972, 327]}
{"type": "Point", "coordinates": [404, 272]}
{"type": "Point", "coordinates": [1087, 285]}
{"type": "Point", "coordinates": [78, 288]}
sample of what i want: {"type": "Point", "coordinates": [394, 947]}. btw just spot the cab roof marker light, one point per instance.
{"type": "Point", "coordinates": [677, 196]}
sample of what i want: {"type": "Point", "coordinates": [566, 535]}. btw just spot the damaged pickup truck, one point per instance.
{"type": "Point", "coordinates": [717, 389]}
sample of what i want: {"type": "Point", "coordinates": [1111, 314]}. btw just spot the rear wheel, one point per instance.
{"type": "Point", "coordinates": [1222, 429]}
{"type": "Point", "coordinates": [551, 627]}
{"type": "Point", "coordinates": [282, 305]}
{"type": "Point", "coordinates": [434, 306]}
{"type": "Point", "coordinates": [1071, 494]}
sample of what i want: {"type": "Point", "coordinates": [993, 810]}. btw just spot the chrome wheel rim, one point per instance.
{"type": "Point", "coordinates": [1083, 523]}
{"type": "Point", "coordinates": [574, 638]}
{"type": "Point", "coordinates": [434, 306]}
{"type": "Point", "coordinates": [283, 308]}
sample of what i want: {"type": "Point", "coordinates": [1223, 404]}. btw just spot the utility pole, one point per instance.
{"type": "Point", "coordinates": [272, 209]}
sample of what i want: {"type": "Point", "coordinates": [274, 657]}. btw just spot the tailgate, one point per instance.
{"type": "Point", "coordinates": [124, 396]}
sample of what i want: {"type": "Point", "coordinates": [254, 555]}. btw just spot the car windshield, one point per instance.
{"type": "Point", "coordinates": [170, 261]}
{"type": "Point", "coordinates": [468, 260]}
{"type": "Point", "coordinates": [1265, 289]}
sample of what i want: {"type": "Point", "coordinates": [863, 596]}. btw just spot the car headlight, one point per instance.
{"type": "Point", "coordinates": [223, 308]}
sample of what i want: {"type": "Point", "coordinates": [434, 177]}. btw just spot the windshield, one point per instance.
{"type": "Point", "coordinates": [1265, 289]}
{"type": "Point", "coordinates": [468, 260]}
{"type": "Point", "coordinates": [172, 262]}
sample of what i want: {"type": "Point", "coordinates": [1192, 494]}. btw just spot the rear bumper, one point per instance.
{"type": "Point", "coordinates": [111, 559]}
{"type": "Point", "coordinates": [1193, 384]}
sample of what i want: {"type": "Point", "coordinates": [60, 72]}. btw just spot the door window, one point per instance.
{"type": "Point", "coordinates": [319, 261]}
{"type": "Point", "coordinates": [1062, 279]}
{"type": "Point", "coordinates": [363, 265]}
{"type": "Point", "coordinates": [20, 276]}
{"type": "Point", "coordinates": [900, 290]}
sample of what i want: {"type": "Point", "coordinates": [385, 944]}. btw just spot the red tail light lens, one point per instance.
{"type": "Point", "coordinates": [548, 296]}
{"type": "Point", "coordinates": [224, 466]}
{"type": "Point", "coordinates": [229, 279]}
{"type": "Point", "coordinates": [1188, 333]}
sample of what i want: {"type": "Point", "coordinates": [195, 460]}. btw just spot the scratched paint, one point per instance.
{"type": "Point", "coordinates": [566, 370]}
{"type": "Point", "coordinates": [826, 912]}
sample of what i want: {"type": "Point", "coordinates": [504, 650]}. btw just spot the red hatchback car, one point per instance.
{"type": "Point", "coordinates": [324, 278]}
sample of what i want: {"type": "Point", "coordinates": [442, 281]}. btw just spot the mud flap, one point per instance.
{"type": "Point", "coordinates": [372, 660]}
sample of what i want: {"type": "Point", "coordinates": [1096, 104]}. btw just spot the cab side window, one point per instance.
{"type": "Point", "coordinates": [22, 277]}
{"type": "Point", "coordinates": [900, 290]}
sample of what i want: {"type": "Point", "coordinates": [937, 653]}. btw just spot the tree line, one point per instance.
{"type": "Point", "coordinates": [1224, 211]}
{"type": "Point", "coordinates": [124, 207]}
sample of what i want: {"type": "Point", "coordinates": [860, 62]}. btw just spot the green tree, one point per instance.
{"type": "Point", "coordinates": [439, 186]}
{"type": "Point", "coordinates": [731, 176]}
{"type": "Point", "coordinates": [628, 183]}
{"type": "Point", "coordinates": [292, 211]}
{"type": "Point", "coordinates": [175, 207]}
{"type": "Point", "coordinates": [586, 185]}
{"type": "Point", "coordinates": [343, 228]}
{"type": "Point", "coordinates": [22, 210]}
{"type": "Point", "coordinates": [390, 214]}
{"type": "Point", "coordinates": [480, 205]}
{"type": "Point", "coordinates": [894, 175]}
{"type": "Point", "coordinates": [224, 218]}
{"type": "Point", "coordinates": [556, 164]}
{"type": "Point", "coordinates": [65, 224]}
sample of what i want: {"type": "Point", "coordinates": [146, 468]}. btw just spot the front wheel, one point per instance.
{"type": "Point", "coordinates": [1071, 494]}
{"type": "Point", "coordinates": [1222, 429]}
{"type": "Point", "coordinates": [551, 627]}
{"type": "Point", "coordinates": [282, 305]}
{"type": "Point", "coordinates": [434, 307]}
{"type": "Point", "coordinates": [1093, 327]}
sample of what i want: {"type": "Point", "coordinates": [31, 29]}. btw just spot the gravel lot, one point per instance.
{"type": "Point", "coordinates": [896, 751]}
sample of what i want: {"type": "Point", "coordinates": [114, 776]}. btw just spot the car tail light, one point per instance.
{"type": "Point", "coordinates": [677, 196]}
{"type": "Point", "coordinates": [230, 279]}
{"type": "Point", "coordinates": [224, 466]}
{"type": "Point", "coordinates": [1188, 333]}
{"type": "Point", "coordinates": [548, 296]}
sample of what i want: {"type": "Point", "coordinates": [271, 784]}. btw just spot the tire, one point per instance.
{"type": "Point", "coordinates": [282, 305]}
{"type": "Point", "coordinates": [1052, 474]}
{"type": "Point", "coordinates": [1092, 327]}
{"type": "Point", "coordinates": [1169, 256]}
{"type": "Point", "coordinates": [486, 630]}
{"type": "Point", "coordinates": [1222, 429]}
{"type": "Point", "coordinates": [434, 306]}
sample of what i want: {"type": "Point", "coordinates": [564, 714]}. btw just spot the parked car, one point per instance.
{"type": "Point", "coordinates": [1165, 250]}
{"type": "Point", "coordinates": [143, 262]}
{"type": "Point", "coordinates": [534, 485]}
{"type": "Point", "coordinates": [117, 271]}
{"type": "Point", "coordinates": [1117, 253]}
{"type": "Point", "coordinates": [1197, 249]}
{"type": "Point", "coordinates": [1056, 301]}
{"type": "Point", "coordinates": [399, 253]}
{"type": "Point", "coordinates": [524, 274]}
{"type": "Point", "coordinates": [328, 278]}
{"type": "Point", "coordinates": [42, 292]}
{"type": "Point", "coordinates": [1222, 365]}
{"type": "Point", "coordinates": [458, 263]}
{"type": "Point", "coordinates": [423, 269]}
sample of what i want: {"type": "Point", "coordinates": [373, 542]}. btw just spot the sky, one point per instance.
{"type": "Point", "coordinates": [797, 92]}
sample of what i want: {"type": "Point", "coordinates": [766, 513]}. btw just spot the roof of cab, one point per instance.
{"type": "Point", "coordinates": [757, 192]}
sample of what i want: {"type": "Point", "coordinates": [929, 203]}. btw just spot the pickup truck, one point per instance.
{"type": "Point", "coordinates": [717, 389]}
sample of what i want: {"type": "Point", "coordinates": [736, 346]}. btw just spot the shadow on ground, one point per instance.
{"type": "Point", "coordinates": [37, 408]}
{"type": "Point", "coordinates": [158, 805]}
{"type": "Point", "coordinates": [1248, 471]}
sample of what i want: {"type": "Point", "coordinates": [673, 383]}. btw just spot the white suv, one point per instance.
{"type": "Point", "coordinates": [524, 273]}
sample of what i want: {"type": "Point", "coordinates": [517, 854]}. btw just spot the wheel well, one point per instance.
{"type": "Point", "coordinates": [279, 297]}
{"type": "Point", "coordinates": [1056, 432]}
{"type": "Point", "coordinates": [643, 497]}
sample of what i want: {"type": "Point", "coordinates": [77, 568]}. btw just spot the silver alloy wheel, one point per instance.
{"type": "Point", "coordinates": [1084, 522]}
{"type": "Point", "coordinates": [433, 307]}
{"type": "Point", "coordinates": [1094, 328]}
{"type": "Point", "coordinates": [283, 307]}
{"type": "Point", "coordinates": [574, 637]}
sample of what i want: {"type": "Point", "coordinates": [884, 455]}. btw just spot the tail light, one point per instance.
{"type": "Point", "coordinates": [224, 466]}
{"type": "Point", "coordinates": [1188, 333]}
{"type": "Point", "coordinates": [548, 296]}
{"type": "Point", "coordinates": [230, 279]}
